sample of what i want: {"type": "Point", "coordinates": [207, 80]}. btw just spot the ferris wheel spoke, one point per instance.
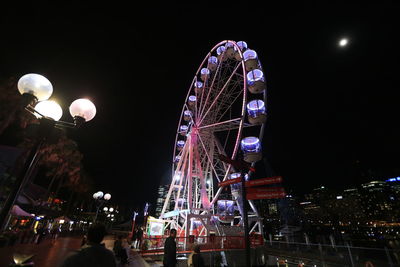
{"type": "Point", "coordinates": [219, 94]}
{"type": "Point", "coordinates": [223, 125]}
{"type": "Point", "coordinates": [208, 157]}
{"type": "Point", "coordinates": [214, 89]}
{"type": "Point", "coordinates": [227, 103]}
{"type": "Point", "coordinates": [201, 108]}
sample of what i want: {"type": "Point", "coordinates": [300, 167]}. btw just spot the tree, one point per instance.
{"type": "Point", "coordinates": [60, 157]}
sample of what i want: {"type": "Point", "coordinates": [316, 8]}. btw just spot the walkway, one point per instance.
{"type": "Point", "coordinates": [49, 254]}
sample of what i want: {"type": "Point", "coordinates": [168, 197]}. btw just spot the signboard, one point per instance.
{"type": "Point", "coordinates": [230, 181]}
{"type": "Point", "coordinates": [252, 190]}
{"type": "Point", "coordinates": [170, 214]}
{"type": "Point", "coordinates": [264, 181]}
{"type": "Point", "coordinates": [266, 195]}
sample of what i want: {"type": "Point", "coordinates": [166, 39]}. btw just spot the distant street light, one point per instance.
{"type": "Point", "coordinates": [343, 42]}
{"type": "Point", "coordinates": [100, 198]}
{"type": "Point", "coordinates": [33, 88]}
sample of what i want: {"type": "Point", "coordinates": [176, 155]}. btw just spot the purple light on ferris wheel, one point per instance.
{"type": "Point", "coordinates": [192, 98]}
{"type": "Point", "coordinates": [250, 145]}
{"type": "Point", "coordinates": [255, 108]}
{"type": "Point", "coordinates": [187, 113]}
{"type": "Point", "coordinates": [183, 128]}
{"type": "Point", "coordinates": [198, 84]}
{"type": "Point", "coordinates": [177, 158]}
{"type": "Point", "coordinates": [213, 60]}
{"type": "Point", "coordinates": [229, 45]}
{"type": "Point", "coordinates": [249, 54]}
{"type": "Point", "coordinates": [180, 143]}
{"type": "Point", "coordinates": [205, 71]}
{"type": "Point", "coordinates": [255, 76]}
{"type": "Point", "coordinates": [220, 50]}
{"type": "Point", "coordinates": [226, 207]}
{"type": "Point", "coordinates": [196, 223]}
{"type": "Point", "coordinates": [242, 45]}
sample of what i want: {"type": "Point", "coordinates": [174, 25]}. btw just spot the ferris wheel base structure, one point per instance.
{"type": "Point", "coordinates": [224, 113]}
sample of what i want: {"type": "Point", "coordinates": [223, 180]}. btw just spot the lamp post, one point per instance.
{"type": "Point", "coordinates": [100, 198]}
{"type": "Point", "coordinates": [133, 222]}
{"type": "Point", "coordinates": [35, 90]}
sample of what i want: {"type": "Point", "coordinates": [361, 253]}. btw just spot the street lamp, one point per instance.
{"type": "Point", "coordinates": [35, 90]}
{"type": "Point", "coordinates": [100, 198]}
{"type": "Point", "coordinates": [133, 222]}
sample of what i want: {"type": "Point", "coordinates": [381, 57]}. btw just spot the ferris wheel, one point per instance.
{"type": "Point", "coordinates": [224, 113]}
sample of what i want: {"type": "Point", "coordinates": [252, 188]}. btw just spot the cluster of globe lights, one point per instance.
{"type": "Point", "coordinates": [39, 89]}
{"type": "Point", "coordinates": [100, 195]}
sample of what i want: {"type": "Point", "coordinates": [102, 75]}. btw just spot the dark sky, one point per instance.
{"type": "Point", "coordinates": [333, 112]}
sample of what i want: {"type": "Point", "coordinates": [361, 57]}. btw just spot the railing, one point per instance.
{"type": "Point", "coordinates": [277, 253]}
{"type": "Point", "coordinates": [205, 242]}
{"type": "Point", "coordinates": [332, 255]}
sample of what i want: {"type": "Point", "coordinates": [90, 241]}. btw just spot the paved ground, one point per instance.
{"type": "Point", "coordinates": [47, 253]}
{"type": "Point", "coordinates": [52, 254]}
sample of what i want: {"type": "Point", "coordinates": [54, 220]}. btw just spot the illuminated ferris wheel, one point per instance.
{"type": "Point", "coordinates": [224, 111]}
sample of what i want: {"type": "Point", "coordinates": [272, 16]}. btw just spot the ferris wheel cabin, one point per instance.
{"type": "Point", "coordinates": [198, 87]}
{"type": "Point", "coordinates": [192, 101]}
{"type": "Point", "coordinates": [250, 60]}
{"type": "Point", "coordinates": [180, 144]}
{"type": "Point", "coordinates": [256, 81]}
{"type": "Point", "coordinates": [243, 47]}
{"type": "Point", "coordinates": [183, 129]}
{"type": "Point", "coordinates": [251, 148]}
{"type": "Point", "coordinates": [187, 115]}
{"type": "Point", "coordinates": [212, 63]}
{"type": "Point", "coordinates": [205, 73]}
{"type": "Point", "coordinates": [221, 53]}
{"type": "Point", "coordinates": [256, 113]}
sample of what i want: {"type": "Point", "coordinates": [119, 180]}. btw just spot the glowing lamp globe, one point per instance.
{"type": "Point", "coordinates": [111, 210]}
{"type": "Point", "coordinates": [95, 196]}
{"type": "Point", "coordinates": [49, 109]}
{"type": "Point", "coordinates": [36, 85]}
{"type": "Point", "coordinates": [105, 209]}
{"type": "Point", "coordinates": [83, 108]}
{"type": "Point", "coordinates": [107, 196]}
{"type": "Point", "coordinates": [100, 194]}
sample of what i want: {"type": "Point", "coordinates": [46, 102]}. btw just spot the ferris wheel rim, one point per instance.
{"type": "Point", "coordinates": [244, 97]}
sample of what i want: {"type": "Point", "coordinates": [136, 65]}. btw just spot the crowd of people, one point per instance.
{"type": "Point", "coordinates": [94, 253]}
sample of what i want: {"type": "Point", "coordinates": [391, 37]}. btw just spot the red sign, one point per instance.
{"type": "Point", "coordinates": [230, 181]}
{"type": "Point", "coordinates": [266, 195]}
{"type": "Point", "coordinates": [263, 181]}
{"type": "Point", "coordinates": [252, 190]}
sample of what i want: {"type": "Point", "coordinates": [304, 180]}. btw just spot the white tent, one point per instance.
{"type": "Point", "coordinates": [17, 211]}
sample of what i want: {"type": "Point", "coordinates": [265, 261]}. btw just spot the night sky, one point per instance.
{"type": "Point", "coordinates": [333, 112]}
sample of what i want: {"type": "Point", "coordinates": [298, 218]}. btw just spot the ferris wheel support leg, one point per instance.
{"type": "Point", "coordinates": [245, 222]}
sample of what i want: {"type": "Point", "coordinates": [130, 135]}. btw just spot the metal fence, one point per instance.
{"type": "Point", "coordinates": [230, 249]}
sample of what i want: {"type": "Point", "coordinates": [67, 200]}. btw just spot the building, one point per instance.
{"type": "Point", "coordinates": [161, 196]}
